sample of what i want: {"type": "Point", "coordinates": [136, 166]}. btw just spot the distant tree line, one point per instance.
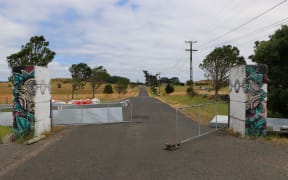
{"type": "Point", "coordinates": [173, 80]}
{"type": "Point", "coordinates": [154, 82]}
{"type": "Point", "coordinates": [81, 74]}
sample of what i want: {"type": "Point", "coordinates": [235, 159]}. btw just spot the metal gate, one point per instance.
{"type": "Point", "coordinates": [67, 114]}
{"type": "Point", "coordinates": [194, 121]}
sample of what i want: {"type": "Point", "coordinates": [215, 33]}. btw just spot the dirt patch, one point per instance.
{"type": "Point", "coordinates": [13, 155]}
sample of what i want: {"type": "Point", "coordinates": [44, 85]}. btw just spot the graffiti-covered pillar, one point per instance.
{"type": "Point", "coordinates": [31, 109]}
{"type": "Point", "coordinates": [248, 98]}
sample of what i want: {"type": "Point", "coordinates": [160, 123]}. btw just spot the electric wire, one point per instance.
{"type": "Point", "coordinates": [243, 24]}
{"type": "Point", "coordinates": [222, 14]}
{"type": "Point", "coordinates": [202, 47]}
{"type": "Point", "coordinates": [251, 33]}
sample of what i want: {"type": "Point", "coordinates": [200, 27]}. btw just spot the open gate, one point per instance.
{"type": "Point", "coordinates": [194, 121]}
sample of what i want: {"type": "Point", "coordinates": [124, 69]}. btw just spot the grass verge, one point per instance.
{"type": "Point", "coordinates": [277, 138]}
{"type": "Point", "coordinates": [195, 106]}
{"type": "Point", "coordinates": [4, 131]}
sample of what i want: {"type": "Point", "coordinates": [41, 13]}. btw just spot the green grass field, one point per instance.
{"type": "Point", "coordinates": [4, 131]}
{"type": "Point", "coordinates": [197, 106]}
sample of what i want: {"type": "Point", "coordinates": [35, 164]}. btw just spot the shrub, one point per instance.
{"type": "Point", "coordinates": [188, 83]}
{"type": "Point", "coordinates": [169, 88]}
{"type": "Point", "coordinates": [122, 85]}
{"type": "Point", "coordinates": [154, 89]}
{"type": "Point", "coordinates": [58, 85]}
{"type": "Point", "coordinates": [190, 91]}
{"type": "Point", "coordinates": [108, 89]}
{"type": "Point", "coordinates": [133, 85]}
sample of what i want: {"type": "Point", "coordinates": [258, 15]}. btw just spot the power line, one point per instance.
{"type": "Point", "coordinates": [222, 14]}
{"type": "Point", "coordinates": [251, 33]}
{"type": "Point", "coordinates": [232, 30]}
{"type": "Point", "coordinates": [244, 24]}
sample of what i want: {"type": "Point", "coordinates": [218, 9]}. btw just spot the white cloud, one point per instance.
{"type": "Point", "coordinates": [126, 40]}
{"type": "Point", "coordinates": [58, 70]}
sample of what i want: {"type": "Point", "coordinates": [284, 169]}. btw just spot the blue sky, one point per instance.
{"type": "Point", "coordinates": [127, 36]}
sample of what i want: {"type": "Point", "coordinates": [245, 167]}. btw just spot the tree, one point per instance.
{"type": "Point", "coordinates": [274, 53]}
{"type": "Point", "coordinates": [150, 80]}
{"type": "Point", "coordinates": [115, 79]}
{"type": "Point", "coordinates": [165, 80]}
{"type": "Point", "coordinates": [189, 82]}
{"type": "Point", "coordinates": [98, 76]}
{"type": "Point", "coordinates": [80, 74]}
{"type": "Point", "coordinates": [146, 75]}
{"type": "Point", "coordinates": [108, 89]}
{"type": "Point", "coordinates": [175, 81]}
{"type": "Point", "coordinates": [169, 88]}
{"type": "Point", "coordinates": [35, 52]}
{"type": "Point", "coordinates": [218, 63]}
{"type": "Point", "coordinates": [122, 85]}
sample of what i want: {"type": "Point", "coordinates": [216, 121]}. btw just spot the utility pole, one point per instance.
{"type": "Point", "coordinates": [191, 70]}
{"type": "Point", "coordinates": [159, 83]}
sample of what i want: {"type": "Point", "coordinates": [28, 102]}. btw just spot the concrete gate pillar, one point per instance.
{"type": "Point", "coordinates": [248, 97]}
{"type": "Point", "coordinates": [31, 109]}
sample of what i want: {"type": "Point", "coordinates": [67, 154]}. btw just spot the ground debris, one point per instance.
{"type": "Point", "coordinates": [172, 146]}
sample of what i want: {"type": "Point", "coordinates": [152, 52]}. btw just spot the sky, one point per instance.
{"type": "Point", "coordinates": [129, 36]}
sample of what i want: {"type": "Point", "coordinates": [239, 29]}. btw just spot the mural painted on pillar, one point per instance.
{"type": "Point", "coordinates": [24, 105]}
{"type": "Point", "coordinates": [256, 112]}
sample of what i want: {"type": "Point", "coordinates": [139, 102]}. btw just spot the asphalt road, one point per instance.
{"type": "Point", "coordinates": [135, 151]}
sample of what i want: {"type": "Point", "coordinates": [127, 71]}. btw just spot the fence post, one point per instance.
{"type": "Point", "coordinates": [199, 130]}
{"type": "Point", "coordinates": [81, 105]}
{"type": "Point", "coordinates": [216, 116]}
{"type": "Point", "coordinates": [51, 114]}
{"type": "Point", "coordinates": [131, 111]}
{"type": "Point", "coordinates": [108, 116]}
{"type": "Point", "coordinates": [215, 113]}
{"type": "Point", "coordinates": [176, 126]}
{"type": "Point", "coordinates": [229, 113]}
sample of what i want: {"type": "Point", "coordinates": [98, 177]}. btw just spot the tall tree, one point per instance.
{"type": "Point", "coordinates": [98, 76]}
{"type": "Point", "coordinates": [80, 74]}
{"type": "Point", "coordinates": [274, 53]}
{"type": "Point", "coordinates": [146, 75]}
{"type": "Point", "coordinates": [150, 80]}
{"type": "Point", "coordinates": [218, 63]}
{"type": "Point", "coordinates": [175, 81]}
{"type": "Point", "coordinates": [35, 52]}
{"type": "Point", "coordinates": [122, 85]}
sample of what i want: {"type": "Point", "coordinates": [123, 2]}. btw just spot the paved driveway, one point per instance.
{"type": "Point", "coordinates": [135, 151]}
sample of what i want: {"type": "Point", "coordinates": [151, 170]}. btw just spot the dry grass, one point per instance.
{"type": "Point", "coordinates": [6, 96]}
{"type": "Point", "coordinates": [181, 90]}
{"type": "Point", "coordinates": [272, 139]}
{"type": "Point", "coordinates": [232, 133]}
{"type": "Point", "coordinates": [65, 92]}
{"type": "Point", "coordinates": [54, 130]}
{"type": "Point", "coordinates": [276, 139]}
